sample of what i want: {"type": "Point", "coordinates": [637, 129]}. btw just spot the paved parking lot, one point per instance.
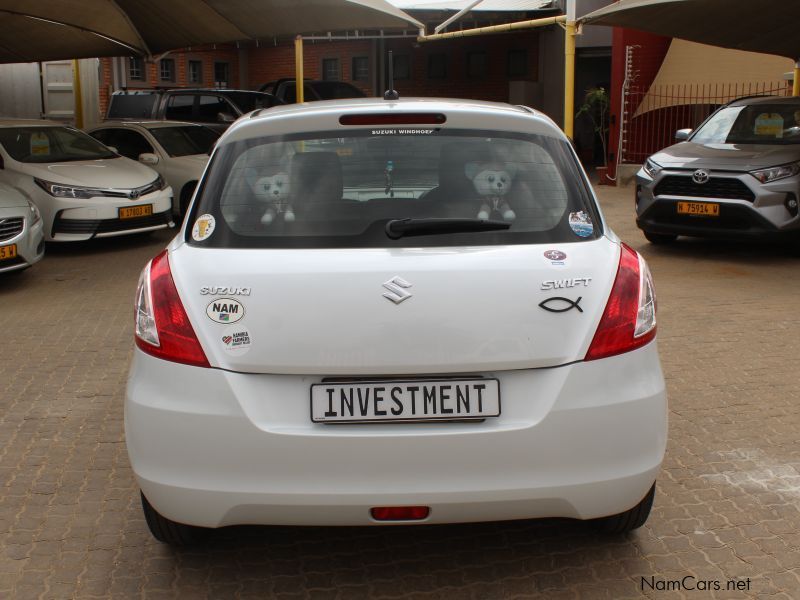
{"type": "Point", "coordinates": [727, 510]}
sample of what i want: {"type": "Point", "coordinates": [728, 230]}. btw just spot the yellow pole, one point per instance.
{"type": "Point", "coordinates": [569, 79]}
{"type": "Point", "coordinates": [298, 67]}
{"type": "Point", "coordinates": [77, 94]}
{"type": "Point", "coordinates": [796, 85]}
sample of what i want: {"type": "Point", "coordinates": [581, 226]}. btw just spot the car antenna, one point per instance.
{"type": "Point", "coordinates": [391, 93]}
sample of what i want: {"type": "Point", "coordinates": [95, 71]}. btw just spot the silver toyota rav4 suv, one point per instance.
{"type": "Point", "coordinates": [737, 175]}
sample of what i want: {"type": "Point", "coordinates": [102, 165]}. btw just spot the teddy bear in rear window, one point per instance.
{"type": "Point", "coordinates": [492, 181]}
{"type": "Point", "coordinates": [274, 191]}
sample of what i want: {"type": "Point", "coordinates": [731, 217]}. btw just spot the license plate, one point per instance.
{"type": "Point", "coordinates": [700, 209]}
{"type": "Point", "coordinates": [406, 400]}
{"type": "Point", "coordinates": [7, 252]}
{"type": "Point", "coordinates": [131, 212]}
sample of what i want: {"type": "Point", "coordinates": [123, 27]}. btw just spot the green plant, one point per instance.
{"type": "Point", "coordinates": [595, 106]}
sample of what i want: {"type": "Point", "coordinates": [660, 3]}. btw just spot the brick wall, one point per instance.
{"type": "Point", "coordinates": [208, 56]}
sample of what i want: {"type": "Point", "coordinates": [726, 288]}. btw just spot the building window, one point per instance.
{"type": "Point", "coordinates": [517, 63]}
{"type": "Point", "coordinates": [437, 66]}
{"type": "Point", "coordinates": [166, 69]}
{"type": "Point", "coordinates": [402, 66]}
{"type": "Point", "coordinates": [477, 65]}
{"type": "Point", "coordinates": [194, 72]}
{"type": "Point", "coordinates": [330, 69]}
{"type": "Point", "coordinates": [360, 68]}
{"type": "Point", "coordinates": [136, 68]}
{"type": "Point", "coordinates": [221, 74]}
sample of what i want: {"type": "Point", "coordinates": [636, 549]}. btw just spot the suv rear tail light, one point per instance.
{"type": "Point", "coordinates": [163, 329]}
{"type": "Point", "coordinates": [629, 320]}
{"type": "Point", "coordinates": [400, 513]}
{"type": "Point", "coordinates": [394, 119]}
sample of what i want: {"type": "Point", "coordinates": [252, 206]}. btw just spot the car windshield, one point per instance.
{"type": "Point", "coordinates": [185, 140]}
{"type": "Point", "coordinates": [753, 124]}
{"type": "Point", "coordinates": [327, 191]}
{"type": "Point", "coordinates": [51, 144]}
{"type": "Point", "coordinates": [333, 90]}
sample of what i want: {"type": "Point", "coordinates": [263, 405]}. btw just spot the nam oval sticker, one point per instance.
{"type": "Point", "coordinates": [225, 311]}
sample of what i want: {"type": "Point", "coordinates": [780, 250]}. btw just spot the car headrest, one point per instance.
{"type": "Point", "coordinates": [453, 159]}
{"type": "Point", "coordinates": [316, 177]}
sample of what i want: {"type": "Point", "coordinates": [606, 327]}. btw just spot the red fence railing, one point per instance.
{"type": "Point", "coordinates": [652, 115]}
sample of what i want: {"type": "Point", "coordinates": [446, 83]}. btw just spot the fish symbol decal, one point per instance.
{"type": "Point", "coordinates": [559, 304]}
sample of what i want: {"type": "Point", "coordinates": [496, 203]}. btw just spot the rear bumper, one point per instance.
{"type": "Point", "coordinates": [215, 448]}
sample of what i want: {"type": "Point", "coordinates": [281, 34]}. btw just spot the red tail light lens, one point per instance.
{"type": "Point", "coordinates": [400, 513]}
{"type": "Point", "coordinates": [162, 325]}
{"type": "Point", "coordinates": [629, 320]}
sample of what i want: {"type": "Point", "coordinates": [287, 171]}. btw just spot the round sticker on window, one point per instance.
{"type": "Point", "coordinates": [581, 224]}
{"type": "Point", "coordinates": [203, 228]}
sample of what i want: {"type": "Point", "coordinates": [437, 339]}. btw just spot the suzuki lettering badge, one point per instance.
{"type": "Point", "coordinates": [396, 292]}
{"type": "Point", "coordinates": [700, 176]}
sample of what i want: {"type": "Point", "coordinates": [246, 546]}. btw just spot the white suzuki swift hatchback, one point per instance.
{"type": "Point", "coordinates": [394, 312]}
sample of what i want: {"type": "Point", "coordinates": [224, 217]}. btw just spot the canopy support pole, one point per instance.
{"type": "Point", "coordinates": [77, 93]}
{"type": "Point", "coordinates": [569, 79]}
{"type": "Point", "coordinates": [796, 84]}
{"type": "Point", "coordinates": [298, 68]}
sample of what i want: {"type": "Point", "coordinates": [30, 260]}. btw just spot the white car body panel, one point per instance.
{"type": "Point", "coordinates": [235, 443]}
{"type": "Point", "coordinates": [29, 241]}
{"type": "Point", "coordinates": [453, 321]}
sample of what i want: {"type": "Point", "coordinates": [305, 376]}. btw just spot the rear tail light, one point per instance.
{"type": "Point", "coordinates": [629, 320]}
{"type": "Point", "coordinates": [400, 513]}
{"type": "Point", "coordinates": [394, 119]}
{"type": "Point", "coordinates": [162, 325]}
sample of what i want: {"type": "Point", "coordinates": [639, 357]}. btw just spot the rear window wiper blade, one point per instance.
{"type": "Point", "coordinates": [397, 228]}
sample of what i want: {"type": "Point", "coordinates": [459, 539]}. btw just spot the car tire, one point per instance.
{"type": "Point", "coordinates": [630, 519]}
{"type": "Point", "coordinates": [168, 531]}
{"type": "Point", "coordinates": [660, 238]}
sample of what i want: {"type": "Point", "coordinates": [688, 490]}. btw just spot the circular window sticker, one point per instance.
{"type": "Point", "coordinates": [203, 228]}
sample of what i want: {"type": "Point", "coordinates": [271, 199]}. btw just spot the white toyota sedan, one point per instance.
{"type": "Point", "coordinates": [394, 312]}
{"type": "Point", "coordinates": [177, 151]}
{"type": "Point", "coordinates": [82, 188]}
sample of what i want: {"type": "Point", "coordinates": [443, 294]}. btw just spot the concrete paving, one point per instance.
{"type": "Point", "coordinates": [727, 511]}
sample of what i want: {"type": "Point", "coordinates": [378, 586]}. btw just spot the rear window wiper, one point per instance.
{"type": "Point", "coordinates": [397, 228]}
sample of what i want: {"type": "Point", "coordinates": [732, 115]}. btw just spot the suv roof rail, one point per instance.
{"type": "Point", "coordinates": [751, 97]}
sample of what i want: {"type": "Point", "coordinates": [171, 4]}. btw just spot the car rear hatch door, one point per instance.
{"type": "Point", "coordinates": [375, 311]}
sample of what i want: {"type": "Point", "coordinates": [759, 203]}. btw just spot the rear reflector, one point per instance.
{"type": "Point", "coordinates": [400, 513]}
{"type": "Point", "coordinates": [629, 320]}
{"type": "Point", "coordinates": [394, 119]}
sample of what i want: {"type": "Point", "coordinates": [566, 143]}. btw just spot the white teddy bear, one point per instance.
{"type": "Point", "coordinates": [492, 182]}
{"type": "Point", "coordinates": [274, 191]}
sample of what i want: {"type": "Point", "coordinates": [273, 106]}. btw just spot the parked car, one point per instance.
{"type": "Point", "coordinates": [216, 108]}
{"type": "Point", "coordinates": [328, 339]}
{"type": "Point", "coordinates": [737, 175]}
{"type": "Point", "coordinates": [177, 151]}
{"type": "Point", "coordinates": [21, 237]}
{"type": "Point", "coordinates": [286, 90]}
{"type": "Point", "coordinates": [82, 188]}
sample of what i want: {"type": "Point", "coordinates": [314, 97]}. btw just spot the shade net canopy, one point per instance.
{"type": "Point", "coordinates": [38, 30]}
{"type": "Point", "coordinates": [768, 26]}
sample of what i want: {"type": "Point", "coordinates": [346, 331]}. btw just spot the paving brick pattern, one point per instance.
{"type": "Point", "coordinates": [727, 508]}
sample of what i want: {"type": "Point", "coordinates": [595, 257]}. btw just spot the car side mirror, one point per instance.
{"type": "Point", "coordinates": [225, 118]}
{"type": "Point", "coordinates": [148, 158]}
{"type": "Point", "coordinates": [683, 134]}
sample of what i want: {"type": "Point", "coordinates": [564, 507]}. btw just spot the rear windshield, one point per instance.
{"type": "Point", "coordinates": [754, 124]}
{"type": "Point", "coordinates": [326, 191]}
{"type": "Point", "coordinates": [51, 144]}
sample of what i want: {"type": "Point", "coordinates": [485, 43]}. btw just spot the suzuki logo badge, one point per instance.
{"type": "Point", "coordinates": [700, 176]}
{"type": "Point", "coordinates": [397, 293]}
